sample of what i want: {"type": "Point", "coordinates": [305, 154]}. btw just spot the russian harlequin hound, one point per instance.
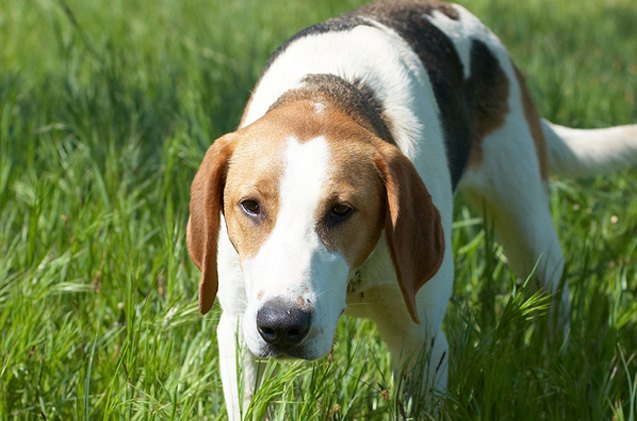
{"type": "Point", "coordinates": [335, 194]}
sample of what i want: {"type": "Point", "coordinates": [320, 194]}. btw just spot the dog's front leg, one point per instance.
{"type": "Point", "coordinates": [238, 366]}
{"type": "Point", "coordinates": [419, 351]}
{"type": "Point", "coordinates": [419, 357]}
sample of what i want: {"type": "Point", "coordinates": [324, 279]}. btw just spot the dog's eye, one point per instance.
{"type": "Point", "coordinates": [251, 207]}
{"type": "Point", "coordinates": [340, 212]}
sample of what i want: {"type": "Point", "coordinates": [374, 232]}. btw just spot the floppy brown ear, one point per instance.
{"type": "Point", "coordinates": [206, 203]}
{"type": "Point", "coordinates": [413, 228]}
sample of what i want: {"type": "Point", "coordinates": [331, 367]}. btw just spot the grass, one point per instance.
{"type": "Point", "coordinates": [105, 111]}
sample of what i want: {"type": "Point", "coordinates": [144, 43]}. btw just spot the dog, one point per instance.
{"type": "Point", "coordinates": [335, 194]}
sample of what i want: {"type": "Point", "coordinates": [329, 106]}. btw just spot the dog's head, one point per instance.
{"type": "Point", "coordinates": [306, 193]}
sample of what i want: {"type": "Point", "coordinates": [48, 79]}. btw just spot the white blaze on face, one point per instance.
{"type": "Point", "coordinates": [293, 262]}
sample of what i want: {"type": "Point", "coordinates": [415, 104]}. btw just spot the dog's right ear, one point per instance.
{"type": "Point", "coordinates": [206, 204]}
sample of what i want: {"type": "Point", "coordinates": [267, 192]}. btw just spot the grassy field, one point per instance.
{"type": "Point", "coordinates": [106, 108]}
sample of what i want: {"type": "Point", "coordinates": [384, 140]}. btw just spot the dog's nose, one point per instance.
{"type": "Point", "coordinates": [283, 324]}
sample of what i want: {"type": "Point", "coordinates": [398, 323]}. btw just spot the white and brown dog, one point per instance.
{"type": "Point", "coordinates": [335, 194]}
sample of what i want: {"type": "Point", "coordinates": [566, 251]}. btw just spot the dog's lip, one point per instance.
{"type": "Point", "coordinates": [295, 352]}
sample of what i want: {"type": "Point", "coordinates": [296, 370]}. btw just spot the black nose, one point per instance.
{"type": "Point", "coordinates": [283, 324]}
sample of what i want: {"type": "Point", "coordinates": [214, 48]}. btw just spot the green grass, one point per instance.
{"type": "Point", "coordinates": [106, 108]}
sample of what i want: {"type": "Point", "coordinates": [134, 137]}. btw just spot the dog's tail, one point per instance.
{"type": "Point", "coordinates": [588, 152]}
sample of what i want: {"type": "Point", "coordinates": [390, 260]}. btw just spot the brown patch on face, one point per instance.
{"type": "Point", "coordinates": [353, 181]}
{"type": "Point", "coordinates": [533, 120]}
{"type": "Point", "coordinates": [487, 93]}
{"type": "Point", "coordinates": [253, 174]}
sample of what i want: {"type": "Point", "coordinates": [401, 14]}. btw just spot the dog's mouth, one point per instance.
{"type": "Point", "coordinates": [286, 353]}
{"type": "Point", "coordinates": [308, 349]}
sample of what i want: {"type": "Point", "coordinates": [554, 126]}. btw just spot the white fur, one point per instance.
{"type": "Point", "coordinates": [585, 152]}
{"type": "Point", "coordinates": [516, 201]}
{"type": "Point", "coordinates": [231, 344]}
{"type": "Point", "coordinates": [319, 108]}
{"type": "Point", "coordinates": [293, 262]}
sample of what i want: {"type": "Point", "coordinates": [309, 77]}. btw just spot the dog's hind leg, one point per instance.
{"type": "Point", "coordinates": [509, 185]}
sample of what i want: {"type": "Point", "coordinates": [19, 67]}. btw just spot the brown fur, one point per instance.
{"type": "Point", "coordinates": [487, 93]}
{"type": "Point", "coordinates": [251, 177]}
{"type": "Point", "coordinates": [353, 180]}
{"type": "Point", "coordinates": [413, 229]}
{"type": "Point", "coordinates": [203, 225]}
{"type": "Point", "coordinates": [535, 126]}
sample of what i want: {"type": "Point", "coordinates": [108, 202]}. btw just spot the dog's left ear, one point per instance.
{"type": "Point", "coordinates": [206, 203]}
{"type": "Point", "coordinates": [413, 228]}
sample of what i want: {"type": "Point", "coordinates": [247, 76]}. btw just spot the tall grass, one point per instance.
{"type": "Point", "coordinates": [106, 108]}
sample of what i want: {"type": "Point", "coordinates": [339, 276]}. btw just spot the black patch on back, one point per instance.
{"type": "Point", "coordinates": [442, 63]}
{"type": "Point", "coordinates": [487, 92]}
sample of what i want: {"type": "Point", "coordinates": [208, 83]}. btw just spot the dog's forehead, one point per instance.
{"type": "Point", "coordinates": [310, 143]}
{"type": "Point", "coordinates": [307, 168]}
{"type": "Point", "coordinates": [257, 161]}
